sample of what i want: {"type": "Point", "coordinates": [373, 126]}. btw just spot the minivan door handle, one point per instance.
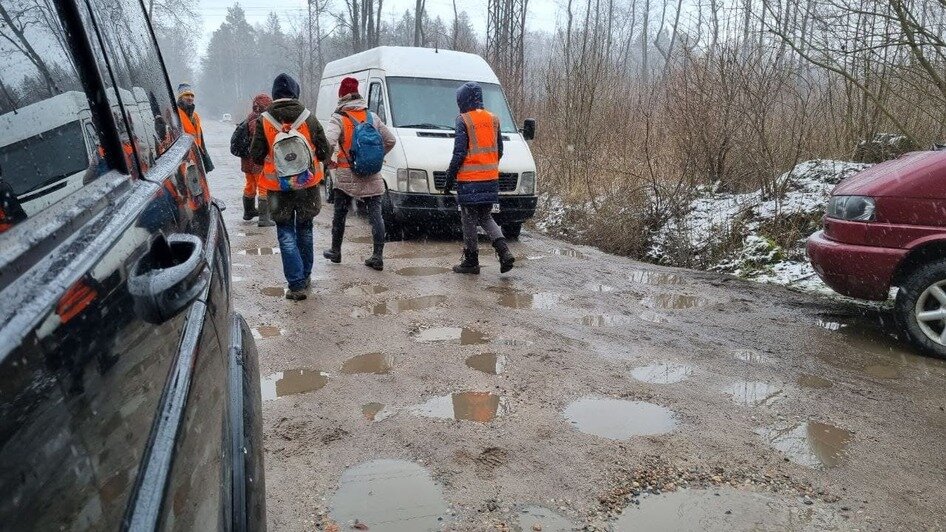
{"type": "Point", "coordinates": [169, 277]}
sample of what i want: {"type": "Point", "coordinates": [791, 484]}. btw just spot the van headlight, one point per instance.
{"type": "Point", "coordinates": [410, 180]}
{"type": "Point", "coordinates": [527, 182]}
{"type": "Point", "coordinates": [852, 208]}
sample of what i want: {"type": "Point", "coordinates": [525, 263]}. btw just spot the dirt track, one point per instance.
{"type": "Point", "coordinates": [753, 365]}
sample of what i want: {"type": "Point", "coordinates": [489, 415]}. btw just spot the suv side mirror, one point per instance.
{"type": "Point", "coordinates": [528, 129]}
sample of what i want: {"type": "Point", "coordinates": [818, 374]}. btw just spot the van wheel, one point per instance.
{"type": "Point", "coordinates": [921, 308]}
{"type": "Point", "coordinates": [511, 231]}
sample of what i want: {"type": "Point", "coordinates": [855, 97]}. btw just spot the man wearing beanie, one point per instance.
{"type": "Point", "coordinates": [292, 203]}
{"type": "Point", "coordinates": [353, 110]}
{"type": "Point", "coordinates": [190, 122]}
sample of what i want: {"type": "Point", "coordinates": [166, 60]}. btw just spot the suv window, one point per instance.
{"type": "Point", "coordinates": [142, 88]}
{"type": "Point", "coordinates": [48, 143]}
{"type": "Point", "coordinates": [376, 101]}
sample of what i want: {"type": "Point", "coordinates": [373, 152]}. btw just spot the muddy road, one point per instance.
{"type": "Point", "coordinates": [579, 390]}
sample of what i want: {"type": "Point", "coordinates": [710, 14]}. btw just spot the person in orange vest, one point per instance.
{"type": "Point", "coordinates": [190, 122]}
{"type": "Point", "coordinates": [348, 185]}
{"type": "Point", "coordinates": [252, 172]}
{"type": "Point", "coordinates": [294, 197]}
{"type": "Point", "coordinates": [474, 170]}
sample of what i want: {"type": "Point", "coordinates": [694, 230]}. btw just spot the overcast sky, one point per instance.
{"type": "Point", "coordinates": [541, 16]}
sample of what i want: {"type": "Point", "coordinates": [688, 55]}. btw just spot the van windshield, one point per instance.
{"type": "Point", "coordinates": [427, 103]}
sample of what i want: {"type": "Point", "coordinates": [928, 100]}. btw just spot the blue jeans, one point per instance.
{"type": "Point", "coordinates": [296, 250]}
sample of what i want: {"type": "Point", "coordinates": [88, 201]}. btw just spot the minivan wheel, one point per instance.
{"type": "Point", "coordinates": [921, 308]}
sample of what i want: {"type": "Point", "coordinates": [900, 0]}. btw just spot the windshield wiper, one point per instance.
{"type": "Point", "coordinates": [427, 126]}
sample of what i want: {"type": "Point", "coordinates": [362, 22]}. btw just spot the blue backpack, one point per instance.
{"type": "Point", "coordinates": [367, 148]}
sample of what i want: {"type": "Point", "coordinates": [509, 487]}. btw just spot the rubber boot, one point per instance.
{"type": "Point", "coordinates": [334, 254]}
{"type": "Point", "coordinates": [376, 260]}
{"type": "Point", "coordinates": [470, 264]}
{"type": "Point", "coordinates": [249, 208]}
{"type": "Point", "coordinates": [264, 216]}
{"type": "Point", "coordinates": [506, 259]}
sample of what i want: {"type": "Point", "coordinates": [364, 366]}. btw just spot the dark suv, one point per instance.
{"type": "Point", "coordinates": [129, 389]}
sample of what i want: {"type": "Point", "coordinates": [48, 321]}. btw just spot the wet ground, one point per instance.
{"type": "Point", "coordinates": [579, 390]}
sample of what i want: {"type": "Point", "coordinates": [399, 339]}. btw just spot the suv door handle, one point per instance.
{"type": "Point", "coordinates": [169, 277]}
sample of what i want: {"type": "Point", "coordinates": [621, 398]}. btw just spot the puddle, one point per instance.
{"type": "Point", "coordinates": [465, 406]}
{"type": "Point", "coordinates": [248, 233]}
{"type": "Point", "coordinates": [654, 278]}
{"type": "Point", "coordinates": [489, 363]}
{"type": "Point", "coordinates": [663, 373]}
{"type": "Point", "coordinates": [653, 317]}
{"type": "Point", "coordinates": [390, 495]}
{"type": "Point", "coordinates": [750, 356]}
{"type": "Point", "coordinates": [606, 320]}
{"type": "Point", "coordinates": [422, 271]}
{"type": "Point", "coordinates": [813, 382]}
{"type": "Point", "coordinates": [882, 371]}
{"type": "Point", "coordinates": [273, 291]}
{"type": "Point", "coordinates": [674, 301]}
{"type": "Point", "coordinates": [598, 287]}
{"type": "Point", "coordinates": [513, 342]}
{"type": "Point", "coordinates": [259, 251]}
{"type": "Point", "coordinates": [237, 279]}
{"type": "Point", "coordinates": [568, 252]}
{"type": "Point", "coordinates": [424, 253]}
{"type": "Point", "coordinates": [375, 363]}
{"type": "Point", "coordinates": [811, 444]}
{"type": "Point", "coordinates": [524, 300]}
{"type": "Point", "coordinates": [618, 419]}
{"type": "Point", "coordinates": [540, 518]}
{"type": "Point", "coordinates": [462, 335]}
{"type": "Point", "coordinates": [267, 331]}
{"type": "Point", "coordinates": [723, 509]}
{"type": "Point", "coordinates": [291, 382]}
{"type": "Point", "coordinates": [375, 412]}
{"type": "Point", "coordinates": [753, 393]}
{"type": "Point", "coordinates": [365, 289]}
{"type": "Point", "coordinates": [364, 239]}
{"type": "Point", "coordinates": [399, 305]}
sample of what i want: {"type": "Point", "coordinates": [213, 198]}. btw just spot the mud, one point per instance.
{"type": "Point", "coordinates": [878, 466]}
{"type": "Point", "coordinates": [489, 363]}
{"type": "Point", "coordinates": [273, 291]}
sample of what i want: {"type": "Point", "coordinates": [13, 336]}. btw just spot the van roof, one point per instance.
{"type": "Point", "coordinates": [415, 62]}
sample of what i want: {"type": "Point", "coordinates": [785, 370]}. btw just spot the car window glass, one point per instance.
{"type": "Point", "coordinates": [142, 89]}
{"type": "Point", "coordinates": [376, 101]}
{"type": "Point", "coordinates": [49, 147]}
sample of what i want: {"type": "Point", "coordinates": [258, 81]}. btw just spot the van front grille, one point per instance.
{"type": "Point", "coordinates": [507, 181]}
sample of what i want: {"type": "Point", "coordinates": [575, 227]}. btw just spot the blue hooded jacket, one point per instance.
{"type": "Point", "coordinates": [470, 97]}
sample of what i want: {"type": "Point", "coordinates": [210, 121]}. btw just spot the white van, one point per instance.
{"type": "Point", "coordinates": [414, 91]}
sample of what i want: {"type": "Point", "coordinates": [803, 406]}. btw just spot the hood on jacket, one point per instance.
{"type": "Point", "coordinates": [286, 111]}
{"type": "Point", "coordinates": [353, 102]}
{"type": "Point", "coordinates": [469, 97]}
{"type": "Point", "coordinates": [285, 87]}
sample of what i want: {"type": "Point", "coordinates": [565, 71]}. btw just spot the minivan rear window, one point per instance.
{"type": "Point", "coordinates": [432, 103]}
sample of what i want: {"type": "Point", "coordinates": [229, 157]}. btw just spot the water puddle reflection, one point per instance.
{"type": "Point", "coordinates": [425, 253]}
{"type": "Point", "coordinates": [374, 363]}
{"type": "Point", "coordinates": [465, 406]}
{"type": "Point", "coordinates": [750, 356]}
{"type": "Point", "coordinates": [248, 233]}
{"type": "Point", "coordinates": [363, 239]}
{"type": "Point", "coordinates": [811, 444]}
{"type": "Point", "coordinates": [291, 382]}
{"type": "Point", "coordinates": [489, 363]}
{"type": "Point", "coordinates": [399, 305]}
{"type": "Point", "coordinates": [663, 373]}
{"type": "Point", "coordinates": [606, 320]}
{"type": "Point", "coordinates": [390, 495]}
{"type": "Point", "coordinates": [375, 412]}
{"type": "Point", "coordinates": [654, 278]}
{"type": "Point", "coordinates": [568, 252]}
{"type": "Point", "coordinates": [674, 301]}
{"type": "Point", "coordinates": [516, 299]}
{"type": "Point", "coordinates": [267, 331]}
{"type": "Point", "coordinates": [273, 291]}
{"type": "Point", "coordinates": [421, 271]}
{"type": "Point", "coordinates": [463, 335]}
{"type": "Point", "coordinates": [598, 287]}
{"type": "Point", "coordinates": [259, 251]}
{"type": "Point", "coordinates": [618, 419]}
{"type": "Point", "coordinates": [813, 382]}
{"type": "Point", "coordinates": [365, 289]}
{"type": "Point", "coordinates": [753, 393]}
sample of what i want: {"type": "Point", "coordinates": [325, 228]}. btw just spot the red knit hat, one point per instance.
{"type": "Point", "coordinates": [348, 86]}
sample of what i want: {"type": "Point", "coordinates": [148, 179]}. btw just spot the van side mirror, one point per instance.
{"type": "Point", "coordinates": [528, 129]}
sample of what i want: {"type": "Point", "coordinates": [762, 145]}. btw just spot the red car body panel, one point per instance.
{"type": "Point", "coordinates": [861, 259]}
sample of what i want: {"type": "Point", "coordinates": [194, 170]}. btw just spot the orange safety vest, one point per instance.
{"type": "Point", "coordinates": [348, 131]}
{"type": "Point", "coordinates": [270, 181]}
{"type": "Point", "coordinates": [192, 127]}
{"type": "Point", "coordinates": [482, 154]}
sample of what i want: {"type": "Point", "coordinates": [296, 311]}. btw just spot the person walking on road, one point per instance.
{"type": "Point", "coordinates": [474, 170]}
{"type": "Point", "coordinates": [290, 146]}
{"type": "Point", "coordinates": [190, 122]}
{"type": "Point", "coordinates": [252, 172]}
{"type": "Point", "coordinates": [342, 130]}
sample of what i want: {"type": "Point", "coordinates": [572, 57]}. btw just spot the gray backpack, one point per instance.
{"type": "Point", "coordinates": [291, 152]}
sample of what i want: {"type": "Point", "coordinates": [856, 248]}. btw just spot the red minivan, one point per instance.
{"type": "Point", "coordinates": [886, 227]}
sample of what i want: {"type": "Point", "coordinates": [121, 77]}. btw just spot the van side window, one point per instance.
{"type": "Point", "coordinates": [376, 101]}
{"type": "Point", "coordinates": [49, 147]}
{"type": "Point", "coordinates": [131, 56]}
